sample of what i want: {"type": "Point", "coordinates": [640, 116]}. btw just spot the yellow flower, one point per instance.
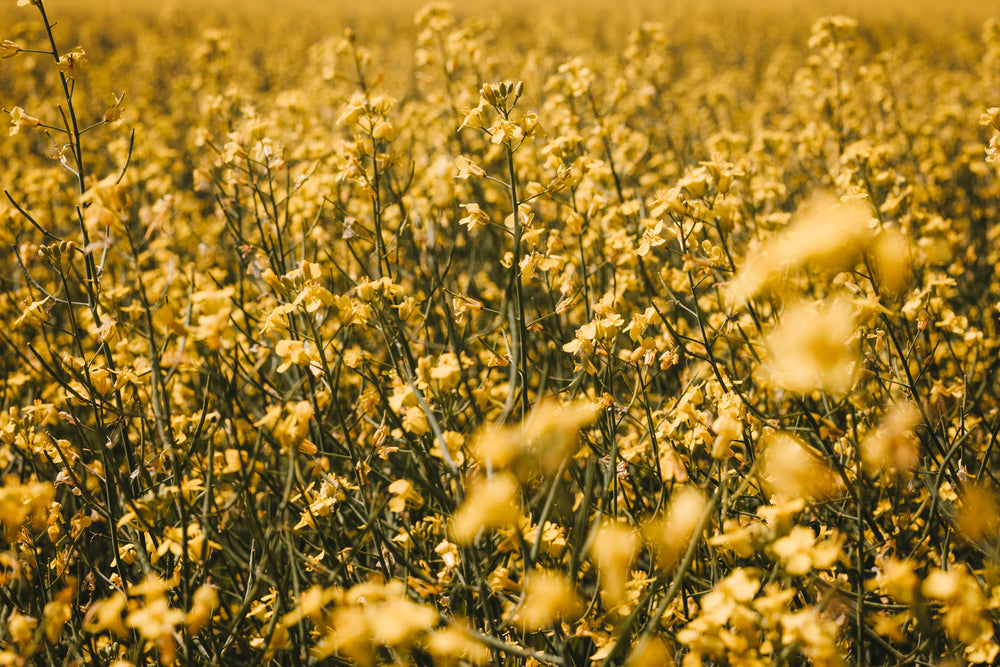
{"type": "Point", "coordinates": [298, 353]}
{"type": "Point", "coordinates": [827, 235]}
{"type": "Point", "coordinates": [474, 215]}
{"type": "Point", "coordinates": [815, 635]}
{"type": "Point", "coordinates": [811, 348]}
{"type": "Point", "coordinates": [19, 119]}
{"type": "Point", "coordinates": [403, 495]}
{"type": "Point", "coordinates": [396, 622]}
{"type": "Point", "coordinates": [613, 549]}
{"type": "Point", "coordinates": [492, 503]}
{"type": "Point", "coordinates": [791, 471]}
{"type": "Point", "coordinates": [894, 444]}
{"type": "Point", "coordinates": [21, 628]}
{"type": "Point", "coordinates": [669, 535]}
{"type": "Point", "coordinates": [107, 615]}
{"type": "Point", "coordinates": [799, 553]}
{"type": "Point", "coordinates": [9, 49]}
{"type": "Point", "coordinates": [453, 646]}
{"type": "Point", "coordinates": [548, 597]}
{"type": "Point", "coordinates": [466, 168]}
{"type": "Point", "coordinates": [72, 62]}
{"type": "Point", "coordinates": [155, 619]}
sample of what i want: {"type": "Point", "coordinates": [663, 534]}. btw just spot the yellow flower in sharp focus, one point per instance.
{"type": "Point", "coordinates": [404, 495]}
{"type": "Point", "coordinates": [72, 62]}
{"type": "Point", "coordinates": [298, 353]}
{"type": "Point", "coordinates": [19, 119]}
{"type": "Point", "coordinates": [9, 49]}
{"type": "Point", "coordinates": [474, 216]}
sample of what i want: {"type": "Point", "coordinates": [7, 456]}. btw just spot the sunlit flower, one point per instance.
{"type": "Point", "coordinates": [789, 469]}
{"type": "Point", "coordinates": [812, 348]}
{"type": "Point", "coordinates": [826, 235]}
{"type": "Point", "coordinates": [548, 597]}
{"type": "Point", "coordinates": [613, 549]}
{"type": "Point", "coordinates": [9, 49]}
{"type": "Point", "coordinates": [491, 503]}
{"type": "Point", "coordinates": [19, 119]}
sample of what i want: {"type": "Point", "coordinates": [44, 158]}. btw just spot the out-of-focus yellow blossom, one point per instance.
{"type": "Point", "coordinates": [613, 549]}
{"type": "Point", "coordinates": [826, 234]}
{"type": "Point", "coordinates": [978, 516]}
{"type": "Point", "coordinates": [155, 618]}
{"type": "Point", "coordinates": [893, 444]}
{"type": "Point", "coordinates": [649, 652]}
{"type": "Point", "coordinates": [24, 504]}
{"type": "Point", "coordinates": [21, 628]}
{"type": "Point", "coordinates": [108, 614]}
{"type": "Point", "coordinates": [790, 470]}
{"type": "Point", "coordinates": [551, 433]}
{"type": "Point", "coordinates": [452, 646]}
{"type": "Point", "coordinates": [669, 535]}
{"type": "Point", "coordinates": [813, 348]}
{"type": "Point", "coordinates": [814, 635]}
{"type": "Point", "coordinates": [549, 597]}
{"type": "Point", "coordinates": [800, 554]}
{"type": "Point", "coordinates": [489, 503]}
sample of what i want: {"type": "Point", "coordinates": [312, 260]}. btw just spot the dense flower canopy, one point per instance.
{"type": "Point", "coordinates": [484, 335]}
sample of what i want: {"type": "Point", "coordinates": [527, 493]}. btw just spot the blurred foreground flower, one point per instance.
{"type": "Point", "coordinates": [827, 235]}
{"type": "Point", "coordinates": [491, 503]}
{"type": "Point", "coordinates": [551, 433]}
{"type": "Point", "coordinates": [613, 549]}
{"type": "Point", "coordinates": [548, 597]}
{"type": "Point", "coordinates": [792, 471]}
{"type": "Point", "coordinates": [893, 445]}
{"type": "Point", "coordinates": [669, 535]}
{"type": "Point", "coordinates": [811, 348]}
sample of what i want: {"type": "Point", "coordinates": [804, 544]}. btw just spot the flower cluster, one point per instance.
{"type": "Point", "coordinates": [460, 340]}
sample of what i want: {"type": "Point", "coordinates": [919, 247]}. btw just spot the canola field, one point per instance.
{"type": "Point", "coordinates": [499, 334]}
